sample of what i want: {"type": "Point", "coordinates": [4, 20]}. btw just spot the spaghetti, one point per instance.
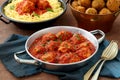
{"type": "Point", "coordinates": [10, 11]}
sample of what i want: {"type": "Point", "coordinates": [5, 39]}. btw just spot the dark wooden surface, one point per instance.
{"type": "Point", "coordinates": [67, 19]}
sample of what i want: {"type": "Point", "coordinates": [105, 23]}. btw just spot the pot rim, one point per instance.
{"type": "Point", "coordinates": [80, 29]}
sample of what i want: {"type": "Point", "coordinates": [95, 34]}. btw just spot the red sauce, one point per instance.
{"type": "Point", "coordinates": [62, 47]}
{"type": "Point", "coordinates": [30, 6]}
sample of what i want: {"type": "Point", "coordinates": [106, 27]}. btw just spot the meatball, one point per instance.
{"type": "Point", "coordinates": [77, 39]}
{"type": "Point", "coordinates": [98, 4]}
{"type": "Point", "coordinates": [91, 11]}
{"type": "Point", "coordinates": [85, 3]}
{"type": "Point", "coordinates": [118, 2]}
{"type": "Point", "coordinates": [43, 4]}
{"type": "Point", "coordinates": [64, 35]}
{"type": "Point", "coordinates": [37, 49]}
{"type": "Point", "coordinates": [64, 58]}
{"type": "Point", "coordinates": [34, 1]}
{"type": "Point", "coordinates": [113, 5]}
{"type": "Point", "coordinates": [105, 11]}
{"type": "Point", "coordinates": [74, 58]}
{"type": "Point", "coordinates": [80, 8]}
{"type": "Point", "coordinates": [47, 37]}
{"type": "Point", "coordinates": [52, 45]}
{"type": "Point", "coordinates": [65, 47]}
{"type": "Point", "coordinates": [74, 4]}
{"type": "Point", "coordinates": [84, 52]}
{"type": "Point", "coordinates": [49, 57]}
{"type": "Point", "coordinates": [69, 58]}
{"type": "Point", "coordinates": [25, 6]}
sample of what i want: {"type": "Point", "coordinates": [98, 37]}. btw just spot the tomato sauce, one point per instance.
{"type": "Point", "coordinates": [62, 47]}
{"type": "Point", "coordinates": [30, 6]}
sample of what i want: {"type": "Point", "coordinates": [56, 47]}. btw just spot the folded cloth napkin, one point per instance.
{"type": "Point", "coordinates": [16, 43]}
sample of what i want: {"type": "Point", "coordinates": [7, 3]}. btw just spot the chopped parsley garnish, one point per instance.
{"type": "Point", "coordinates": [12, 7]}
{"type": "Point", "coordinates": [43, 44]}
{"type": "Point", "coordinates": [77, 36]}
{"type": "Point", "coordinates": [66, 45]}
{"type": "Point", "coordinates": [60, 37]}
{"type": "Point", "coordinates": [35, 14]}
{"type": "Point", "coordinates": [49, 9]}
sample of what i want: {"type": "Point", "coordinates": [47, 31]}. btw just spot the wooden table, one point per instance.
{"type": "Point", "coordinates": [67, 19]}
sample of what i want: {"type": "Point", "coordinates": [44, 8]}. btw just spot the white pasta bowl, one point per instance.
{"type": "Point", "coordinates": [27, 23]}
{"type": "Point", "coordinates": [59, 66]}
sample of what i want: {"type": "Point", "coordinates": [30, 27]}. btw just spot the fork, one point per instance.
{"type": "Point", "coordinates": [106, 55]}
{"type": "Point", "coordinates": [109, 56]}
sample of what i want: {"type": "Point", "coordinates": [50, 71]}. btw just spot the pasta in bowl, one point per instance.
{"type": "Point", "coordinates": [16, 11]}
{"type": "Point", "coordinates": [32, 11]}
{"type": "Point", "coordinates": [61, 48]}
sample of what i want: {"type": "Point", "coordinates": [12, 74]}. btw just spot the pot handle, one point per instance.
{"type": "Point", "coordinates": [4, 19]}
{"type": "Point", "coordinates": [26, 61]}
{"type": "Point", "coordinates": [99, 32]}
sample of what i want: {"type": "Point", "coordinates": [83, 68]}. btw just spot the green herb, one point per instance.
{"type": "Point", "coordinates": [77, 36]}
{"type": "Point", "coordinates": [56, 40]}
{"type": "Point", "coordinates": [38, 51]}
{"type": "Point", "coordinates": [49, 9]}
{"type": "Point", "coordinates": [43, 44]}
{"type": "Point", "coordinates": [87, 44]}
{"type": "Point", "coordinates": [66, 45]}
{"type": "Point", "coordinates": [44, 59]}
{"type": "Point", "coordinates": [60, 37]}
{"type": "Point", "coordinates": [12, 7]}
{"type": "Point", "coordinates": [36, 14]}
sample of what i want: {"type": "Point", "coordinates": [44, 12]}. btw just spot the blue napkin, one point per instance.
{"type": "Point", "coordinates": [16, 43]}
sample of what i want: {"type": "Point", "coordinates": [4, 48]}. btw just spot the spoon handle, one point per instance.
{"type": "Point", "coordinates": [88, 74]}
{"type": "Point", "coordinates": [95, 76]}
